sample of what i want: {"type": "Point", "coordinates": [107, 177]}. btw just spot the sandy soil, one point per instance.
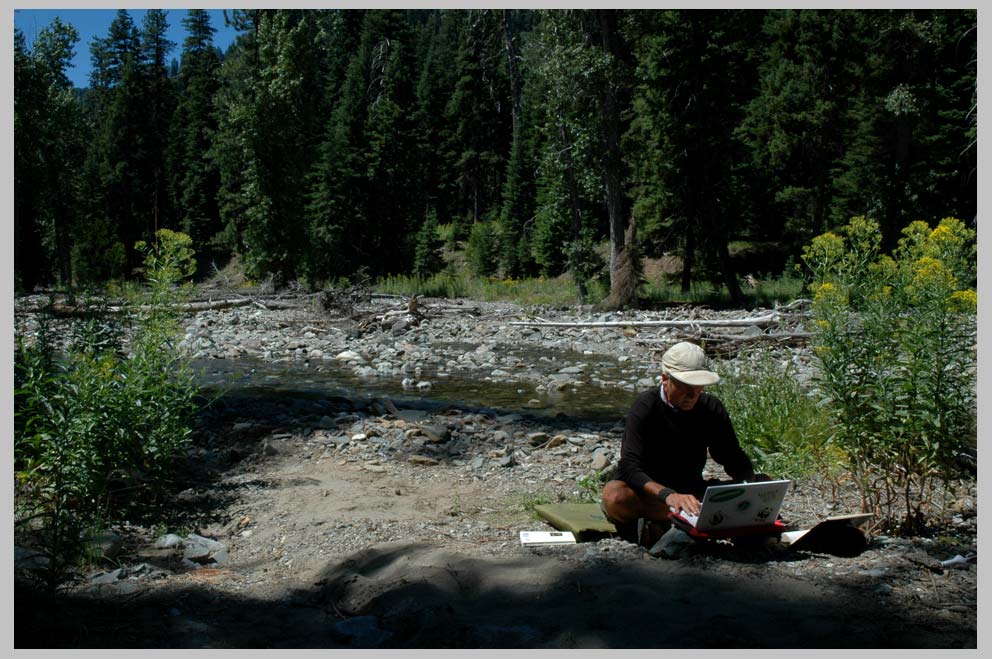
{"type": "Point", "coordinates": [331, 553]}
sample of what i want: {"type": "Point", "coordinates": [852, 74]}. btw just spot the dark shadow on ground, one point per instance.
{"type": "Point", "coordinates": [407, 595]}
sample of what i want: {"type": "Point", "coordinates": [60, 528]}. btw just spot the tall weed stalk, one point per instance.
{"type": "Point", "coordinates": [895, 336]}
{"type": "Point", "coordinates": [103, 422]}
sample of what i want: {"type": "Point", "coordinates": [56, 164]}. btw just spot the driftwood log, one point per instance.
{"type": "Point", "coordinates": [63, 309]}
{"type": "Point", "coordinates": [767, 320]}
{"type": "Point", "coordinates": [728, 345]}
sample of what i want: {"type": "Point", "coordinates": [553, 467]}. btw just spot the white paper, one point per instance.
{"type": "Point", "coordinates": [546, 538]}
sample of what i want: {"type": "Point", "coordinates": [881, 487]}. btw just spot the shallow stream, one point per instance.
{"type": "Point", "coordinates": [258, 377]}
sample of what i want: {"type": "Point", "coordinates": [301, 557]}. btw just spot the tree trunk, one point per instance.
{"type": "Point", "coordinates": [613, 162]}
{"type": "Point", "coordinates": [573, 198]}
{"type": "Point", "coordinates": [689, 256]}
{"type": "Point", "coordinates": [516, 105]}
{"type": "Point", "coordinates": [727, 270]}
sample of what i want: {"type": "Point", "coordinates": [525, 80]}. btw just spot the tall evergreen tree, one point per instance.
{"type": "Point", "coordinates": [364, 203]}
{"type": "Point", "coordinates": [103, 246]}
{"type": "Point", "coordinates": [49, 143]}
{"type": "Point", "coordinates": [694, 78]}
{"type": "Point", "coordinates": [518, 201]}
{"type": "Point", "coordinates": [193, 173]}
{"type": "Point", "coordinates": [437, 47]}
{"type": "Point", "coordinates": [159, 102]}
{"type": "Point", "coordinates": [282, 132]}
{"type": "Point", "coordinates": [479, 113]}
{"type": "Point", "coordinates": [798, 126]}
{"type": "Point", "coordinates": [235, 103]}
{"type": "Point", "coordinates": [603, 32]}
{"type": "Point", "coordinates": [925, 96]}
{"type": "Point", "coordinates": [571, 199]}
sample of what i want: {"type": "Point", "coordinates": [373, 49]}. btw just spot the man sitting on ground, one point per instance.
{"type": "Point", "coordinates": [666, 438]}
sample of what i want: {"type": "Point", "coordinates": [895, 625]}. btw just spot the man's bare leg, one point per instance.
{"type": "Point", "coordinates": [625, 506]}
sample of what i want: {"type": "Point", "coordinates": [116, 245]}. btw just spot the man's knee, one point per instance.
{"type": "Point", "coordinates": [617, 494]}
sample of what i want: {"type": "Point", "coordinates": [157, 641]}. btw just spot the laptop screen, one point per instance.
{"type": "Point", "coordinates": [740, 505]}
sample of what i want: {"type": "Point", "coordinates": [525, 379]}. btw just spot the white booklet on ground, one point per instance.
{"type": "Point", "coordinates": [536, 538]}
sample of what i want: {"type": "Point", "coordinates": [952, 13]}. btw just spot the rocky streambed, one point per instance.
{"type": "Point", "coordinates": [360, 478]}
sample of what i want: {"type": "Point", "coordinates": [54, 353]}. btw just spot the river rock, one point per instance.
{"type": "Point", "coordinates": [436, 434]}
{"type": "Point", "coordinates": [600, 461]}
{"type": "Point", "coordinates": [106, 577]}
{"type": "Point", "coordinates": [168, 541]}
{"type": "Point", "coordinates": [105, 544]}
{"type": "Point", "coordinates": [537, 438]}
{"type": "Point", "coordinates": [29, 559]}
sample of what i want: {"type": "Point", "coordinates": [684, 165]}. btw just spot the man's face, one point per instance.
{"type": "Point", "coordinates": [680, 395]}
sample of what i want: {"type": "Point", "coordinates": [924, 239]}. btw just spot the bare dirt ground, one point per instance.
{"type": "Point", "coordinates": [330, 553]}
{"type": "Point", "coordinates": [350, 545]}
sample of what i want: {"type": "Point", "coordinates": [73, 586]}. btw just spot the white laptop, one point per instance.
{"type": "Point", "coordinates": [739, 506]}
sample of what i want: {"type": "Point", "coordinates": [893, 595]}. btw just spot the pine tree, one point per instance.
{"type": "Point", "coordinates": [479, 114]}
{"type": "Point", "coordinates": [49, 138]}
{"type": "Point", "coordinates": [194, 177]}
{"type": "Point", "coordinates": [103, 244]}
{"type": "Point", "coordinates": [234, 102]}
{"type": "Point", "coordinates": [159, 101]}
{"type": "Point", "coordinates": [437, 46]}
{"type": "Point", "coordinates": [799, 126]}
{"type": "Point", "coordinates": [282, 131]}
{"type": "Point", "coordinates": [926, 94]}
{"type": "Point", "coordinates": [695, 75]}
{"type": "Point", "coordinates": [518, 200]}
{"type": "Point", "coordinates": [365, 200]}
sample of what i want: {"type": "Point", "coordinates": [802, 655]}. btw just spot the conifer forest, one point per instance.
{"type": "Point", "coordinates": [327, 143]}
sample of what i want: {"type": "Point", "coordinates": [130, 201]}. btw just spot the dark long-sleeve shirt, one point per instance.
{"type": "Point", "coordinates": [668, 446]}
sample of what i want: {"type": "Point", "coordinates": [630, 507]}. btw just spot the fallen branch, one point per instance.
{"type": "Point", "coordinates": [727, 345]}
{"type": "Point", "coordinates": [189, 307]}
{"type": "Point", "coordinates": [739, 338]}
{"type": "Point", "coordinates": [759, 321]}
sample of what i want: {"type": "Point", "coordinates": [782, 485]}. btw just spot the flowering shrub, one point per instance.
{"type": "Point", "coordinates": [895, 336]}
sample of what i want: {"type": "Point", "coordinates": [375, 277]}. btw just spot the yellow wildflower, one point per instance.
{"type": "Point", "coordinates": [966, 301]}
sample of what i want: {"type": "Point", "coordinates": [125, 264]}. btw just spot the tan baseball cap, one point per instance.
{"type": "Point", "coordinates": [686, 362]}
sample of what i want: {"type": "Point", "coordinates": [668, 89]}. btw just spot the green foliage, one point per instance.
{"type": "Point", "coordinates": [896, 344]}
{"type": "Point", "coordinates": [193, 176]}
{"type": "Point", "coordinates": [104, 420]}
{"type": "Point", "coordinates": [428, 259]}
{"type": "Point", "coordinates": [314, 145]}
{"type": "Point", "coordinates": [767, 292]}
{"type": "Point", "coordinates": [583, 261]}
{"type": "Point", "coordinates": [695, 74]}
{"type": "Point", "coordinates": [590, 486]}
{"type": "Point", "coordinates": [557, 292]}
{"type": "Point", "coordinates": [482, 249]}
{"type": "Point", "coordinates": [779, 422]}
{"type": "Point", "coordinates": [49, 143]}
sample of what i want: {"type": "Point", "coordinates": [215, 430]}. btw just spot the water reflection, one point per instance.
{"type": "Point", "coordinates": [263, 378]}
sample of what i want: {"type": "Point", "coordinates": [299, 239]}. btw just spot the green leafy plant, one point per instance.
{"type": "Point", "coordinates": [590, 486]}
{"type": "Point", "coordinates": [896, 344]}
{"type": "Point", "coordinates": [779, 424]}
{"type": "Point", "coordinates": [107, 418]}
